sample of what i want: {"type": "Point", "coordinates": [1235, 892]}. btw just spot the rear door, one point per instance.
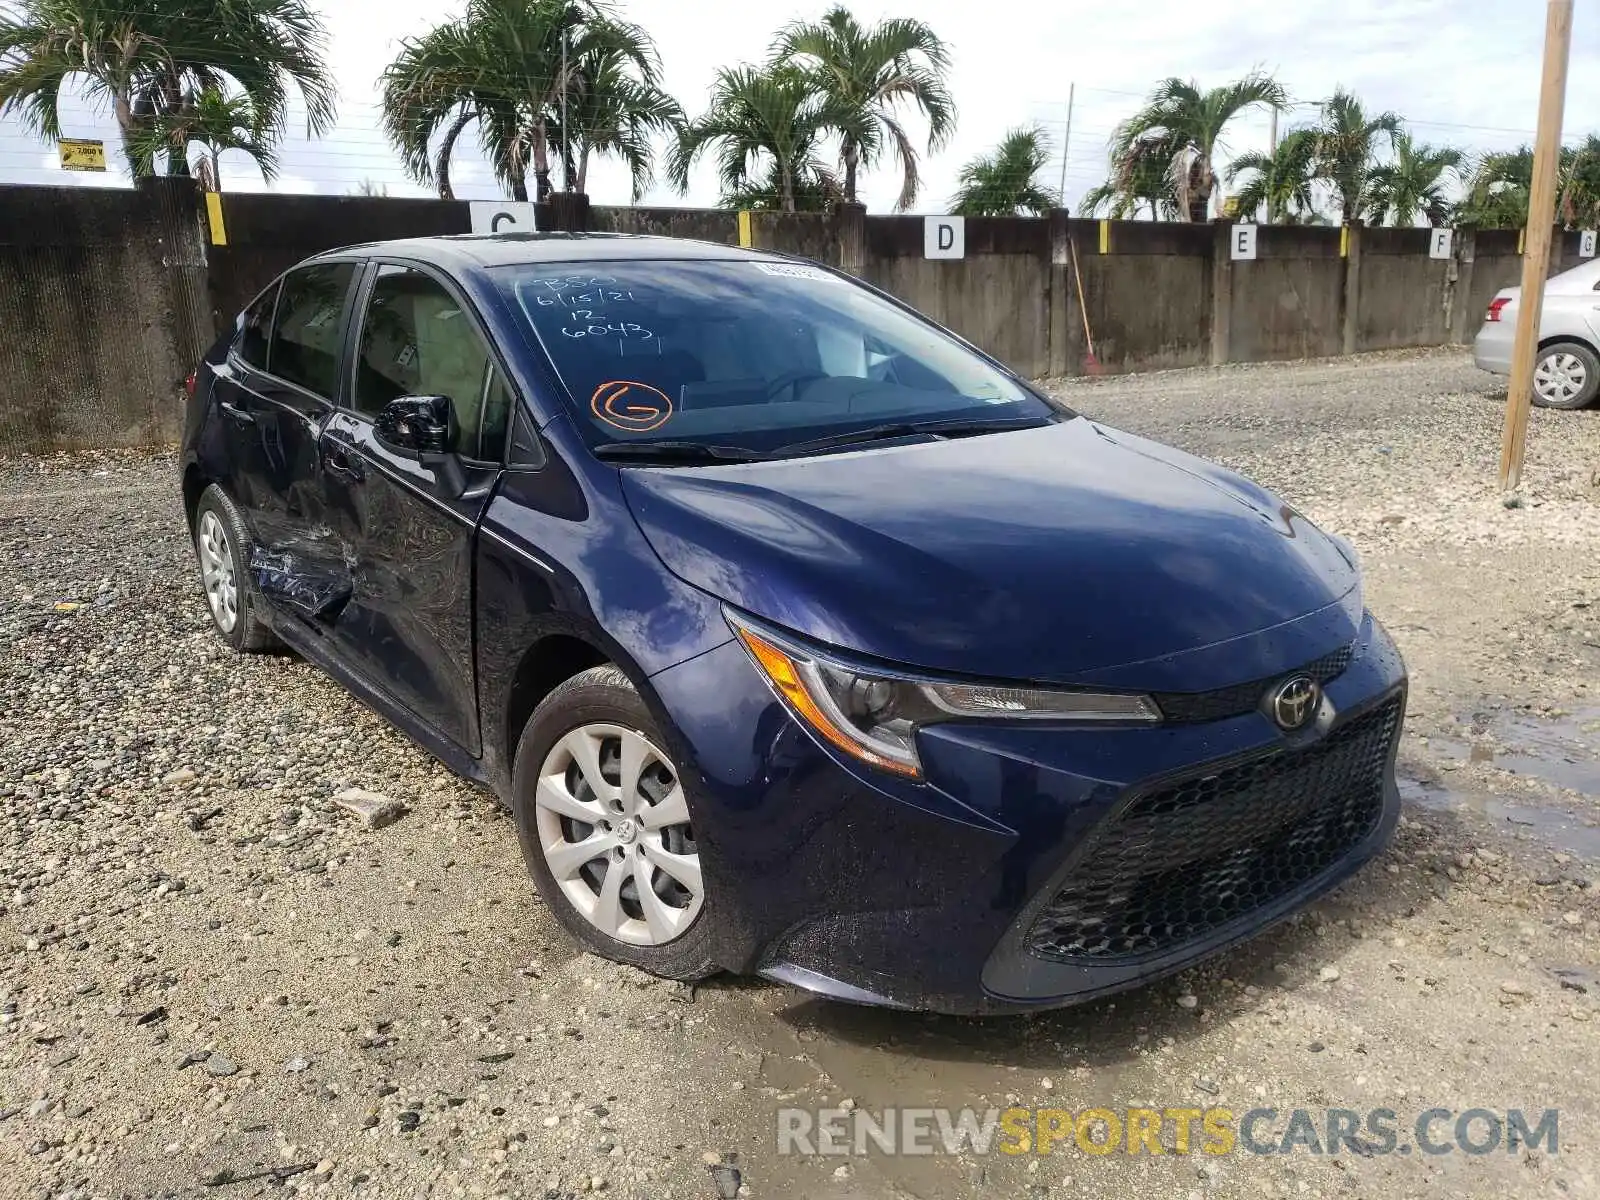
{"type": "Point", "coordinates": [408, 536]}
{"type": "Point", "coordinates": [276, 390]}
{"type": "Point", "coordinates": [234, 390]}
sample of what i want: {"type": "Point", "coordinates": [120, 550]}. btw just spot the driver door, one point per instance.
{"type": "Point", "coordinates": [408, 533]}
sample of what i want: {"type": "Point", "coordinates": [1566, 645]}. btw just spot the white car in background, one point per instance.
{"type": "Point", "coordinates": [1566, 373]}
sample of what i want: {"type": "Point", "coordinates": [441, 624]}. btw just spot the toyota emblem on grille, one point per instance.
{"type": "Point", "coordinates": [1295, 701]}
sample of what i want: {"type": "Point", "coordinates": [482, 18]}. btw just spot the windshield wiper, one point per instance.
{"type": "Point", "coordinates": [899, 429]}
{"type": "Point", "coordinates": [675, 452]}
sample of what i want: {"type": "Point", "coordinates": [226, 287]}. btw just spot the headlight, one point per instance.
{"type": "Point", "coordinates": [874, 717]}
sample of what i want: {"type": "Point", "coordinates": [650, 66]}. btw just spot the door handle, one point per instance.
{"type": "Point", "coordinates": [340, 461]}
{"type": "Point", "coordinates": [234, 413]}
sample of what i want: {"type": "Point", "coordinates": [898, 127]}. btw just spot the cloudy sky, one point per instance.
{"type": "Point", "coordinates": [1463, 72]}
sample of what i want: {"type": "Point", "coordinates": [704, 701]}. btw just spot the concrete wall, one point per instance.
{"type": "Point", "coordinates": [1148, 296]}
{"type": "Point", "coordinates": [1405, 298]}
{"type": "Point", "coordinates": [101, 315]}
{"type": "Point", "coordinates": [997, 297]}
{"type": "Point", "coordinates": [107, 298]}
{"type": "Point", "coordinates": [268, 234]}
{"type": "Point", "coordinates": [702, 224]}
{"type": "Point", "coordinates": [1288, 302]}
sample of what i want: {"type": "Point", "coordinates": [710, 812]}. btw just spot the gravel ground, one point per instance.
{"type": "Point", "coordinates": [215, 981]}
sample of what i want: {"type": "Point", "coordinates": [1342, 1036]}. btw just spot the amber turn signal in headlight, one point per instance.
{"type": "Point", "coordinates": [875, 717]}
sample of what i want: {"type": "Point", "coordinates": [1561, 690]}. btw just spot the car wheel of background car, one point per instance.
{"type": "Point", "coordinates": [222, 544]}
{"type": "Point", "coordinates": [1566, 375]}
{"type": "Point", "coordinates": [604, 819]}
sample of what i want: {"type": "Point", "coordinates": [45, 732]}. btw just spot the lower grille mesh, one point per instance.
{"type": "Point", "coordinates": [1182, 861]}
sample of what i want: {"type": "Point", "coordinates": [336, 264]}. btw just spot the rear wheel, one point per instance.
{"type": "Point", "coordinates": [606, 829]}
{"type": "Point", "coordinates": [222, 545]}
{"type": "Point", "coordinates": [1566, 375]}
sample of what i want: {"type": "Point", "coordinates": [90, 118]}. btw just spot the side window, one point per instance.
{"type": "Point", "coordinates": [496, 412]}
{"type": "Point", "coordinates": [255, 327]}
{"type": "Point", "coordinates": [305, 337]}
{"type": "Point", "coordinates": [416, 340]}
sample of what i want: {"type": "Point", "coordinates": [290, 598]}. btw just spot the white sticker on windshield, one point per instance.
{"type": "Point", "coordinates": [792, 271]}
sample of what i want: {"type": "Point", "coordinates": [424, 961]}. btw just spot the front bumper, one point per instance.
{"type": "Point", "coordinates": [930, 895]}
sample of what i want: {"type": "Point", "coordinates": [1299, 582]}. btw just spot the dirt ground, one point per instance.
{"type": "Point", "coordinates": [213, 982]}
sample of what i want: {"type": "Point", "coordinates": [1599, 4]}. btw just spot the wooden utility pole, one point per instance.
{"type": "Point", "coordinates": [1536, 245]}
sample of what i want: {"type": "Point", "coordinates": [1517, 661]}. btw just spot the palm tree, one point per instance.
{"type": "Point", "coordinates": [1005, 183]}
{"type": "Point", "coordinates": [1498, 184]}
{"type": "Point", "coordinates": [816, 192]}
{"type": "Point", "coordinates": [1347, 147]}
{"type": "Point", "coordinates": [1280, 181]}
{"type": "Point", "coordinates": [868, 73]}
{"type": "Point", "coordinates": [1143, 178]}
{"type": "Point", "coordinates": [612, 112]}
{"type": "Point", "coordinates": [153, 61]}
{"type": "Point", "coordinates": [1579, 206]}
{"type": "Point", "coordinates": [218, 123]}
{"type": "Point", "coordinates": [1497, 190]}
{"type": "Point", "coordinates": [767, 125]}
{"type": "Point", "coordinates": [1182, 127]}
{"type": "Point", "coordinates": [501, 65]}
{"type": "Point", "coordinates": [1414, 183]}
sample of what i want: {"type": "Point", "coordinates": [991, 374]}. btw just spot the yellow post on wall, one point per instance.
{"type": "Point", "coordinates": [219, 231]}
{"type": "Point", "coordinates": [745, 239]}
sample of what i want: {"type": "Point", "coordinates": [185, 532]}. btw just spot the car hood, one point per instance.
{"type": "Point", "coordinates": [1048, 554]}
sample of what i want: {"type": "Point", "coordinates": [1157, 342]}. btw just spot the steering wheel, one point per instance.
{"type": "Point", "coordinates": [793, 379]}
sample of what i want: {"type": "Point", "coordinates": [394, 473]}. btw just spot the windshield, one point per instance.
{"type": "Point", "coordinates": [750, 355]}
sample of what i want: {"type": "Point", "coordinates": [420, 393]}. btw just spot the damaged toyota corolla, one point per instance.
{"type": "Point", "coordinates": [802, 638]}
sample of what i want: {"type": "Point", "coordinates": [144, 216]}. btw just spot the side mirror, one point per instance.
{"type": "Point", "coordinates": [414, 426]}
{"type": "Point", "coordinates": [423, 428]}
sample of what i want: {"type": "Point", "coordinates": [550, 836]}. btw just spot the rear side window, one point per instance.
{"type": "Point", "coordinates": [255, 329]}
{"type": "Point", "coordinates": [305, 337]}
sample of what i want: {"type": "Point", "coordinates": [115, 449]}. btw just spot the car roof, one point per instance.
{"type": "Point", "coordinates": [512, 249]}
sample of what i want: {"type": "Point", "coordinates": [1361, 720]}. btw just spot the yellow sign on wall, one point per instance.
{"type": "Point", "coordinates": [78, 155]}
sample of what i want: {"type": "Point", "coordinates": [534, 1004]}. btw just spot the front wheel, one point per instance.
{"type": "Point", "coordinates": [222, 547]}
{"type": "Point", "coordinates": [606, 827]}
{"type": "Point", "coordinates": [1566, 375]}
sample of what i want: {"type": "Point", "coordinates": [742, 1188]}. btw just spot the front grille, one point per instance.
{"type": "Point", "coordinates": [1188, 708]}
{"type": "Point", "coordinates": [1181, 861]}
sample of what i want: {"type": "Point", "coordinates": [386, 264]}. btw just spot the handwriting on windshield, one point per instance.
{"type": "Point", "coordinates": [631, 406]}
{"type": "Point", "coordinates": [586, 323]}
{"type": "Point", "coordinates": [569, 291]}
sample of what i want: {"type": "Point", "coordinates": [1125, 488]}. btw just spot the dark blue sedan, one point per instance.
{"type": "Point", "coordinates": [801, 637]}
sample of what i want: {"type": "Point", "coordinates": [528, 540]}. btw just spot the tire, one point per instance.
{"type": "Point", "coordinates": [670, 935]}
{"type": "Point", "coordinates": [1571, 376]}
{"type": "Point", "coordinates": [222, 546]}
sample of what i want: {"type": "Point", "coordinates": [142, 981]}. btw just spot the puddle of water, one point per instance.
{"type": "Point", "coordinates": [1561, 830]}
{"type": "Point", "coordinates": [1562, 751]}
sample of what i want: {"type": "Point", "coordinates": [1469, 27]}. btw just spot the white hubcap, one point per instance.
{"type": "Point", "coordinates": [216, 571]}
{"type": "Point", "coordinates": [614, 828]}
{"type": "Point", "coordinates": [1559, 377]}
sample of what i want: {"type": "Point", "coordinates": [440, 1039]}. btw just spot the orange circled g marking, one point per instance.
{"type": "Point", "coordinates": [630, 405]}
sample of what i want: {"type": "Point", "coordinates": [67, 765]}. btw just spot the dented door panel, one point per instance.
{"type": "Point", "coordinates": [407, 622]}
